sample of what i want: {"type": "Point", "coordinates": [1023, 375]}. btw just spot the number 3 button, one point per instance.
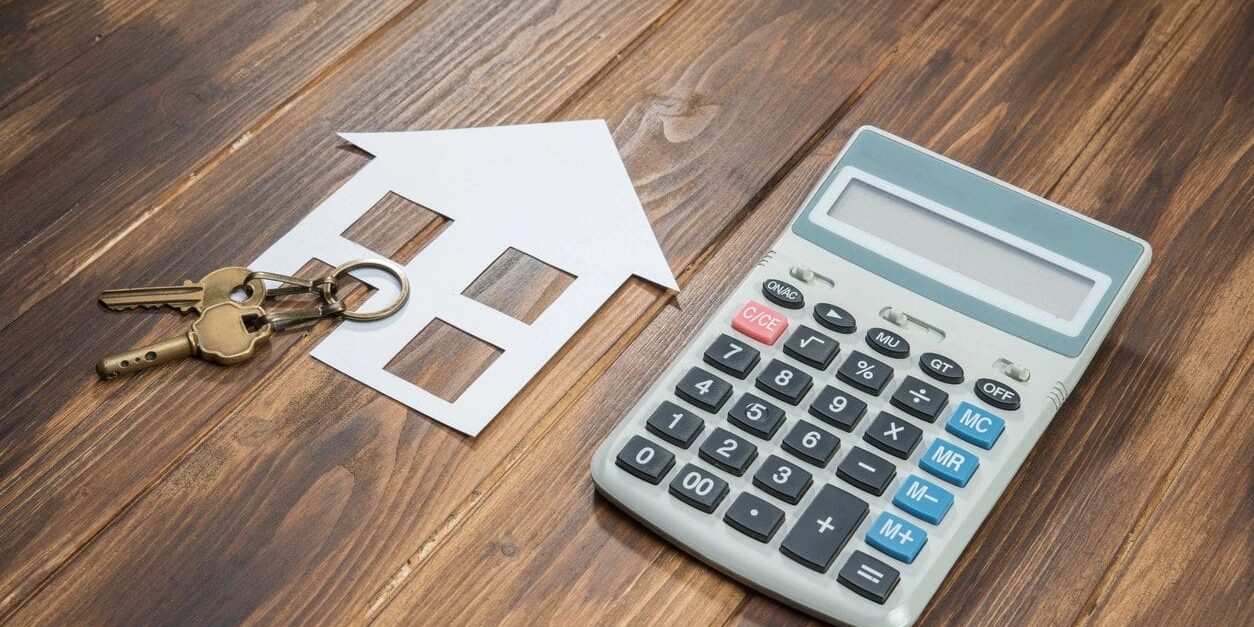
{"type": "Point", "coordinates": [783, 480]}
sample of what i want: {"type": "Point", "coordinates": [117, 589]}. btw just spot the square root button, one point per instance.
{"type": "Point", "coordinates": [759, 322]}
{"type": "Point", "coordinates": [949, 462]}
{"type": "Point", "coordinates": [975, 425]}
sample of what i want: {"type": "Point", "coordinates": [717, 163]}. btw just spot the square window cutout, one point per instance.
{"type": "Point", "coordinates": [443, 360]}
{"type": "Point", "coordinates": [396, 227]}
{"type": "Point", "coordinates": [519, 285]}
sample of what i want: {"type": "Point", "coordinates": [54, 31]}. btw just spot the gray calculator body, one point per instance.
{"type": "Point", "coordinates": [923, 254]}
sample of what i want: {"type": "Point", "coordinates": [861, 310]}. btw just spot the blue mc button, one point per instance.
{"type": "Point", "coordinates": [975, 425]}
{"type": "Point", "coordinates": [924, 499]}
{"type": "Point", "coordinates": [897, 537]}
{"type": "Point", "coordinates": [949, 462]}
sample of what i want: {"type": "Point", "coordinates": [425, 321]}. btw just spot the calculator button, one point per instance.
{"type": "Point", "coordinates": [783, 294]}
{"type": "Point", "coordinates": [997, 394]}
{"type": "Point", "coordinates": [975, 425]}
{"type": "Point", "coordinates": [782, 479]}
{"type": "Point", "coordinates": [674, 424]}
{"type": "Point", "coordinates": [728, 451]}
{"type": "Point", "coordinates": [921, 400]}
{"type": "Point", "coordinates": [698, 487]}
{"type": "Point", "coordinates": [703, 390]}
{"type": "Point", "coordinates": [785, 382]}
{"type": "Point", "coordinates": [756, 416]}
{"type": "Point", "coordinates": [893, 435]}
{"type": "Point", "coordinates": [732, 356]}
{"type": "Point", "coordinates": [823, 528]}
{"type": "Point", "coordinates": [759, 322]}
{"type": "Point", "coordinates": [924, 499]}
{"type": "Point", "coordinates": [888, 343]}
{"type": "Point", "coordinates": [949, 462]}
{"type": "Point", "coordinates": [869, 577]}
{"type": "Point", "coordinates": [838, 408]}
{"type": "Point", "coordinates": [811, 444]}
{"type": "Point", "coordinates": [754, 517]}
{"type": "Point", "coordinates": [865, 373]}
{"type": "Point", "coordinates": [645, 459]}
{"type": "Point", "coordinates": [941, 368]}
{"type": "Point", "coordinates": [835, 318]}
{"type": "Point", "coordinates": [897, 537]}
{"type": "Point", "coordinates": [867, 471]}
{"type": "Point", "coordinates": [811, 348]}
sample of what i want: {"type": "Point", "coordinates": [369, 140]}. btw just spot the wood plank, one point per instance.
{"type": "Point", "coordinates": [1193, 561]}
{"type": "Point", "coordinates": [338, 490]}
{"type": "Point", "coordinates": [950, 81]}
{"type": "Point", "coordinates": [75, 452]}
{"type": "Point", "coordinates": [38, 37]}
{"type": "Point", "coordinates": [106, 141]}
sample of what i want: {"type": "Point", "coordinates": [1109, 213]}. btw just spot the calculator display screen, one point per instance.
{"type": "Point", "coordinates": [965, 254]}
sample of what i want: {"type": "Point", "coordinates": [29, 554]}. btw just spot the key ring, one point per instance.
{"type": "Point", "coordinates": [327, 285]}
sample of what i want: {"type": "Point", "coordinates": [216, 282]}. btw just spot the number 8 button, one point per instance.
{"type": "Point", "coordinates": [784, 382]}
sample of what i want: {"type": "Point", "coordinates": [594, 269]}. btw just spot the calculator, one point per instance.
{"type": "Point", "coordinates": [841, 426]}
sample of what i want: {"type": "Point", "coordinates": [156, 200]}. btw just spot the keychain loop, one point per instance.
{"type": "Point", "coordinates": [327, 286]}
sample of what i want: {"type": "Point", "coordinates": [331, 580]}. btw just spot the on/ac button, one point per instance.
{"type": "Point", "coordinates": [783, 294]}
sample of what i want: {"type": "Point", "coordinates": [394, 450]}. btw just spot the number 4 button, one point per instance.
{"type": "Point", "coordinates": [811, 347]}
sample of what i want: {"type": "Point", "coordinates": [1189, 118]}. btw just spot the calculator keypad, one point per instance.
{"type": "Point", "coordinates": [835, 318]}
{"type": "Point", "coordinates": [703, 390]}
{"type": "Point", "coordinates": [785, 382]}
{"type": "Point", "coordinates": [838, 408]}
{"type": "Point", "coordinates": [645, 459]}
{"type": "Point", "coordinates": [865, 373]}
{"type": "Point", "coordinates": [893, 435]}
{"type": "Point", "coordinates": [732, 356]}
{"type": "Point", "coordinates": [866, 471]}
{"type": "Point", "coordinates": [887, 343]}
{"type": "Point", "coordinates": [869, 577]}
{"type": "Point", "coordinates": [919, 399]}
{"type": "Point", "coordinates": [728, 451]}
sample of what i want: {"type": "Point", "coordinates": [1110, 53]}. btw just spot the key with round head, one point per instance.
{"type": "Point", "coordinates": [216, 287]}
{"type": "Point", "coordinates": [221, 334]}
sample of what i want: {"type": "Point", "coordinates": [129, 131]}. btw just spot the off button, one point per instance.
{"type": "Point", "coordinates": [783, 294]}
{"type": "Point", "coordinates": [997, 394]}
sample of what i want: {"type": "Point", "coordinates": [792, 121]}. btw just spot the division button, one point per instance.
{"type": "Point", "coordinates": [921, 400]}
{"type": "Point", "coordinates": [811, 348]}
{"type": "Point", "coordinates": [838, 408]}
{"type": "Point", "coordinates": [869, 577]}
{"type": "Point", "coordinates": [865, 373]}
{"type": "Point", "coordinates": [867, 471]}
{"type": "Point", "coordinates": [997, 394]}
{"type": "Point", "coordinates": [674, 424]}
{"type": "Point", "coordinates": [941, 368]}
{"type": "Point", "coordinates": [783, 294]}
{"type": "Point", "coordinates": [759, 322]}
{"type": "Point", "coordinates": [754, 517]}
{"type": "Point", "coordinates": [823, 528]}
{"type": "Point", "coordinates": [893, 435]}
{"type": "Point", "coordinates": [732, 356]}
{"type": "Point", "coordinates": [698, 487]}
{"type": "Point", "coordinates": [703, 389]}
{"type": "Point", "coordinates": [645, 459]}
{"type": "Point", "coordinates": [887, 343]}
{"type": "Point", "coordinates": [835, 318]}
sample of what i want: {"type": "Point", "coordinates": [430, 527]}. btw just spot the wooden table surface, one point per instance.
{"type": "Point", "coordinates": [149, 142]}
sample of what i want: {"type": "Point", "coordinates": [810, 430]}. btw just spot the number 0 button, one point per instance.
{"type": "Point", "coordinates": [645, 459]}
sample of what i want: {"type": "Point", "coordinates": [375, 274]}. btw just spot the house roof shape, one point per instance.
{"type": "Point", "coordinates": [557, 191]}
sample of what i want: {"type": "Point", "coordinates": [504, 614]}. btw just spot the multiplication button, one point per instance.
{"type": "Point", "coordinates": [865, 373]}
{"type": "Point", "coordinates": [869, 577]}
{"type": "Point", "coordinates": [893, 435]}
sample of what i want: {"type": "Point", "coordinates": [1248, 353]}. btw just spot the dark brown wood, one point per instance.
{"type": "Point", "coordinates": [283, 492]}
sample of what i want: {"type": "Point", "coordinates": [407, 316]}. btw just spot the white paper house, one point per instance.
{"type": "Point", "coordinates": [557, 192]}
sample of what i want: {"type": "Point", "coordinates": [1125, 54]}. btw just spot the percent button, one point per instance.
{"type": "Point", "coordinates": [865, 373]}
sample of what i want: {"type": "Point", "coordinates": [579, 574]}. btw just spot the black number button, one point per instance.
{"type": "Point", "coordinates": [941, 368]}
{"type": "Point", "coordinates": [782, 479]}
{"type": "Point", "coordinates": [811, 443]}
{"type": "Point", "coordinates": [754, 517]}
{"type": "Point", "coordinates": [728, 451]}
{"type": "Point", "coordinates": [919, 399]}
{"type": "Point", "coordinates": [997, 394]}
{"type": "Point", "coordinates": [645, 459]}
{"type": "Point", "coordinates": [756, 416]}
{"type": "Point", "coordinates": [888, 343]}
{"type": "Point", "coordinates": [835, 318]}
{"type": "Point", "coordinates": [782, 294]}
{"type": "Point", "coordinates": [732, 356]}
{"type": "Point", "coordinates": [811, 347]}
{"type": "Point", "coordinates": [865, 373]}
{"type": "Point", "coordinates": [784, 382]}
{"type": "Point", "coordinates": [699, 488]}
{"type": "Point", "coordinates": [823, 528]}
{"type": "Point", "coordinates": [838, 408]}
{"type": "Point", "coordinates": [867, 471]}
{"type": "Point", "coordinates": [703, 390]}
{"type": "Point", "coordinates": [675, 424]}
{"type": "Point", "coordinates": [893, 435]}
{"type": "Point", "coordinates": [869, 577]}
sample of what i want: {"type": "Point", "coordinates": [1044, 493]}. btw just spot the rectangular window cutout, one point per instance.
{"type": "Point", "coordinates": [443, 360]}
{"type": "Point", "coordinates": [519, 285]}
{"type": "Point", "coordinates": [397, 228]}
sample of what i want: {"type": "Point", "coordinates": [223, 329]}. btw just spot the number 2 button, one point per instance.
{"type": "Point", "coordinates": [784, 382]}
{"type": "Point", "coordinates": [728, 451]}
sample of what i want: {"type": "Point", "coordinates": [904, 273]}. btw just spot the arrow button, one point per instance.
{"type": "Point", "coordinates": [835, 318]}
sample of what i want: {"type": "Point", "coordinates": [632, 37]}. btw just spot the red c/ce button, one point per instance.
{"type": "Point", "coordinates": [759, 322]}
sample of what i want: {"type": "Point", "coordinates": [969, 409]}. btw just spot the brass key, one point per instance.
{"type": "Point", "coordinates": [215, 288]}
{"type": "Point", "coordinates": [220, 335]}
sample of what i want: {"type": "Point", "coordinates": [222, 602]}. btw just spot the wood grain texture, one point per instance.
{"type": "Point", "coordinates": [104, 143]}
{"type": "Point", "coordinates": [403, 464]}
{"type": "Point", "coordinates": [74, 453]}
{"type": "Point", "coordinates": [569, 540]}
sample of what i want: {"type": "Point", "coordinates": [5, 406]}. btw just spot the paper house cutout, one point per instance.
{"type": "Point", "coordinates": [558, 192]}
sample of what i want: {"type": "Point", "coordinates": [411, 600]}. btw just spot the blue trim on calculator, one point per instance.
{"type": "Point", "coordinates": [992, 202]}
